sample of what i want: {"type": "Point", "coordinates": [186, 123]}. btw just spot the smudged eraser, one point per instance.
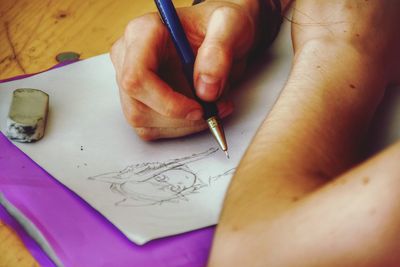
{"type": "Point", "coordinates": [28, 114]}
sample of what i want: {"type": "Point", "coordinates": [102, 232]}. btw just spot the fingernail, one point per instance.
{"type": "Point", "coordinates": [194, 115]}
{"type": "Point", "coordinates": [208, 87]}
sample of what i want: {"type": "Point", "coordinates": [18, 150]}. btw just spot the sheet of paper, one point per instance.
{"type": "Point", "coordinates": [76, 234]}
{"type": "Point", "coordinates": [146, 189]}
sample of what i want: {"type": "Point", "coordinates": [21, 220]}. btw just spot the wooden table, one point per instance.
{"type": "Point", "coordinates": [33, 32]}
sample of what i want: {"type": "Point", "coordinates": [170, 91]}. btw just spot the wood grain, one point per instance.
{"type": "Point", "coordinates": [33, 32]}
{"type": "Point", "coordinates": [12, 250]}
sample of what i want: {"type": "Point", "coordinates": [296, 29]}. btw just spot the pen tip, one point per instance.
{"type": "Point", "coordinates": [226, 153]}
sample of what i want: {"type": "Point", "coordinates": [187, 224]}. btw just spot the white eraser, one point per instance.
{"type": "Point", "coordinates": [28, 114]}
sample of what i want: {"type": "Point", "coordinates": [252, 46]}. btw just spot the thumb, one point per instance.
{"type": "Point", "coordinates": [226, 40]}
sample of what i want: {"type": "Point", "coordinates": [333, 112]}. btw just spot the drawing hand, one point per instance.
{"type": "Point", "coordinates": [154, 92]}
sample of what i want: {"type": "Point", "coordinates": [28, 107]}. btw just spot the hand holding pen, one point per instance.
{"type": "Point", "coordinates": [155, 96]}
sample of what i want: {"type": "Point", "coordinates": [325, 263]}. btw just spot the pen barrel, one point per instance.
{"type": "Point", "coordinates": [171, 20]}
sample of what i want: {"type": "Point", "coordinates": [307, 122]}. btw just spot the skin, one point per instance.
{"type": "Point", "coordinates": [155, 98]}
{"type": "Point", "coordinates": [303, 194]}
{"type": "Point", "coordinates": [145, 56]}
{"type": "Point", "coordinates": [296, 198]}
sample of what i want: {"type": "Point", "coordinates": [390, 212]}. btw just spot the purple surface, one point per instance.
{"type": "Point", "coordinates": [79, 235]}
{"type": "Point", "coordinates": [30, 244]}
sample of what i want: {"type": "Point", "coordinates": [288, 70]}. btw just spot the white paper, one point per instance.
{"type": "Point", "coordinates": [146, 189]}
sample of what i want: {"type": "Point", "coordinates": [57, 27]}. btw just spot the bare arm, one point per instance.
{"type": "Point", "coordinates": [345, 54]}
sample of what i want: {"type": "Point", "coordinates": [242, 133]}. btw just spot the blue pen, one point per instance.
{"type": "Point", "coordinates": [171, 21]}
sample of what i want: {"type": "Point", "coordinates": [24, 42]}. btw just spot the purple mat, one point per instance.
{"type": "Point", "coordinates": [78, 234]}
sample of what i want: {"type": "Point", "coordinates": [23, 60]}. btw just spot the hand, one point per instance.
{"type": "Point", "coordinates": [154, 94]}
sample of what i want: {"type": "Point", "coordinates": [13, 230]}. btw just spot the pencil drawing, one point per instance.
{"type": "Point", "coordinates": [154, 183]}
{"type": "Point", "coordinates": [214, 179]}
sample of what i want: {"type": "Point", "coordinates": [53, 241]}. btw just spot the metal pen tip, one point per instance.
{"type": "Point", "coordinates": [226, 153]}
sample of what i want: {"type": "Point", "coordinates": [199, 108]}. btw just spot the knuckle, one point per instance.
{"type": "Point", "coordinates": [147, 21]}
{"type": "Point", "coordinates": [232, 11]}
{"type": "Point", "coordinates": [147, 134]}
{"type": "Point", "coordinates": [131, 84]}
{"type": "Point", "coordinates": [135, 116]}
{"type": "Point", "coordinates": [152, 20]}
{"type": "Point", "coordinates": [137, 120]}
{"type": "Point", "coordinates": [113, 51]}
{"type": "Point", "coordinates": [172, 109]}
{"type": "Point", "coordinates": [133, 26]}
{"type": "Point", "coordinates": [141, 108]}
{"type": "Point", "coordinates": [116, 46]}
{"type": "Point", "coordinates": [116, 49]}
{"type": "Point", "coordinates": [244, 33]}
{"type": "Point", "coordinates": [169, 110]}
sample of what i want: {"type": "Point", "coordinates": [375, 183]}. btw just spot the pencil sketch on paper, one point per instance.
{"type": "Point", "coordinates": [154, 183]}
{"type": "Point", "coordinates": [214, 179]}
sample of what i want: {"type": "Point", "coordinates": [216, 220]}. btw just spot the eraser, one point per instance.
{"type": "Point", "coordinates": [28, 114]}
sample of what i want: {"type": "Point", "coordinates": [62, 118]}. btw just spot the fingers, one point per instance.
{"type": "Point", "coordinates": [153, 133]}
{"type": "Point", "coordinates": [151, 125]}
{"type": "Point", "coordinates": [117, 54]}
{"type": "Point", "coordinates": [141, 57]}
{"type": "Point", "coordinates": [149, 89]}
{"type": "Point", "coordinates": [148, 101]}
{"type": "Point", "coordinates": [182, 128]}
{"type": "Point", "coordinates": [226, 40]}
{"type": "Point", "coordinates": [140, 115]}
{"type": "Point", "coordinates": [139, 80]}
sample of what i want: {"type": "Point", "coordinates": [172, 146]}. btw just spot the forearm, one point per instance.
{"type": "Point", "coordinates": [337, 81]}
{"type": "Point", "coordinates": [319, 120]}
{"type": "Point", "coordinates": [313, 134]}
{"type": "Point", "coordinates": [314, 131]}
{"type": "Point", "coordinates": [353, 221]}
